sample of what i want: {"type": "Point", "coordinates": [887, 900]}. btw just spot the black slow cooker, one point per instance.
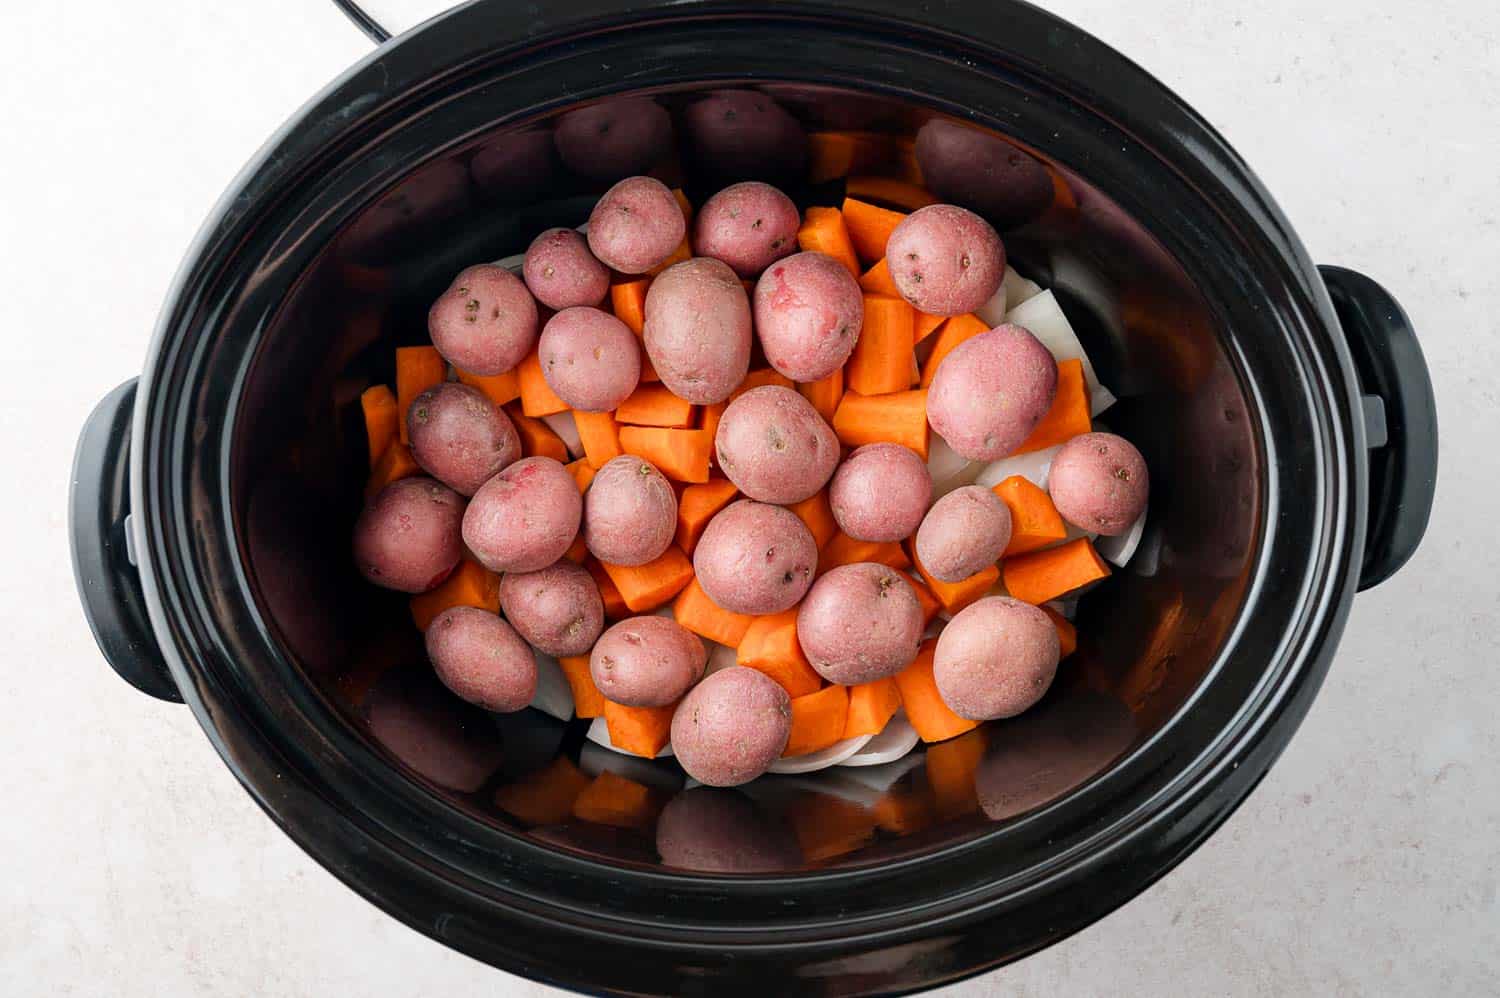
{"type": "Point", "coordinates": [1284, 409]}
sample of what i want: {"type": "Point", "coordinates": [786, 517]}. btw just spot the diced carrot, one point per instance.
{"type": "Point", "coordinates": [956, 330]}
{"type": "Point", "coordinates": [823, 231]}
{"type": "Point", "coordinates": [614, 603]}
{"type": "Point", "coordinates": [622, 803]}
{"type": "Point", "coordinates": [926, 325]}
{"type": "Point", "coordinates": [759, 378]}
{"type": "Point", "coordinates": [646, 587]}
{"type": "Point", "coordinates": [578, 550]}
{"type": "Point", "coordinates": [871, 705]}
{"type": "Point", "coordinates": [655, 405]}
{"type": "Point", "coordinates": [869, 227]}
{"type": "Point", "coordinates": [698, 505]}
{"type": "Point", "coordinates": [954, 596]}
{"type": "Point", "coordinates": [925, 708]}
{"type": "Point", "coordinates": [845, 550]}
{"type": "Point", "coordinates": [838, 154]}
{"type": "Point", "coordinates": [582, 472]}
{"type": "Point", "coordinates": [537, 397]}
{"type": "Point", "coordinates": [679, 454]}
{"type": "Point", "coordinates": [950, 774]}
{"type": "Point", "coordinates": [648, 373]}
{"type": "Point", "coordinates": [587, 700]}
{"type": "Point", "coordinates": [929, 602]}
{"type": "Point", "coordinates": [1067, 634]}
{"type": "Point", "coordinates": [1047, 574]}
{"type": "Point", "coordinates": [382, 420]}
{"type": "Point", "coordinates": [818, 720]}
{"type": "Point", "coordinates": [537, 438]}
{"type": "Point", "coordinates": [878, 281]}
{"type": "Point", "coordinates": [710, 424]}
{"type": "Point", "coordinates": [828, 827]}
{"type": "Point", "coordinates": [900, 418]}
{"type": "Point", "coordinates": [471, 584]}
{"type": "Point", "coordinates": [1034, 521]}
{"type": "Point", "coordinates": [628, 300]}
{"type": "Point", "coordinates": [904, 811]}
{"type": "Point", "coordinates": [684, 251]}
{"type": "Point", "coordinates": [642, 731]}
{"type": "Point", "coordinates": [545, 797]}
{"type": "Point", "coordinates": [1069, 414]}
{"type": "Point", "coordinates": [881, 361]}
{"type": "Point", "coordinates": [396, 463]}
{"type": "Point", "coordinates": [818, 515]}
{"type": "Point", "coordinates": [899, 193]}
{"type": "Point", "coordinates": [685, 205]}
{"type": "Point", "coordinates": [600, 435]}
{"type": "Point", "coordinates": [499, 388]}
{"type": "Point", "coordinates": [417, 369]}
{"type": "Point", "coordinates": [694, 610]}
{"type": "Point", "coordinates": [770, 645]}
{"type": "Point", "coordinates": [824, 394]}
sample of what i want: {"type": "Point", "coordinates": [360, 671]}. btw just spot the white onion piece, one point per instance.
{"type": "Point", "coordinates": [599, 735]}
{"type": "Point", "coordinates": [814, 761]}
{"type": "Point", "coordinates": [719, 657]}
{"type": "Point", "coordinates": [1065, 608]}
{"type": "Point", "coordinates": [594, 759]}
{"type": "Point", "coordinates": [896, 740]}
{"type": "Point", "coordinates": [1120, 548]}
{"type": "Point", "coordinates": [1032, 466]}
{"type": "Point", "coordinates": [562, 424]}
{"type": "Point", "coordinates": [993, 311]}
{"type": "Point", "coordinates": [948, 468]}
{"type": "Point", "coordinates": [1044, 317]}
{"type": "Point", "coordinates": [512, 263]}
{"type": "Point", "coordinates": [1017, 288]}
{"type": "Point", "coordinates": [554, 696]}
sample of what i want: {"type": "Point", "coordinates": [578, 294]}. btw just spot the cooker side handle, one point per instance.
{"type": "Point", "coordinates": [103, 565]}
{"type": "Point", "coordinates": [1400, 418]}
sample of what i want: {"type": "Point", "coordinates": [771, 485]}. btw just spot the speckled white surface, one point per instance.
{"type": "Point", "coordinates": [1364, 864]}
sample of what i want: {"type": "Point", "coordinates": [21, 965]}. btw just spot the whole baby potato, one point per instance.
{"type": "Point", "coordinates": [1099, 482]}
{"type": "Point", "coordinates": [647, 661]}
{"type": "Point", "coordinates": [991, 391]}
{"type": "Point", "coordinates": [557, 609]}
{"type": "Point", "coordinates": [945, 260]}
{"type": "Point", "coordinates": [629, 512]}
{"type": "Point", "coordinates": [859, 623]}
{"type": "Point", "coordinates": [965, 532]}
{"type": "Point", "coordinates": [460, 437]}
{"type": "Point", "coordinates": [589, 358]}
{"type": "Point", "coordinates": [880, 492]}
{"type": "Point", "coordinates": [755, 558]}
{"type": "Point", "coordinates": [995, 658]}
{"type": "Point", "coordinates": [773, 445]}
{"type": "Point", "coordinates": [407, 536]}
{"type": "Point", "coordinates": [562, 273]}
{"type": "Point", "coordinates": [482, 659]}
{"type": "Point", "coordinates": [743, 134]}
{"type": "Point", "coordinates": [748, 225]}
{"type": "Point", "coordinates": [731, 727]}
{"type": "Point", "coordinates": [808, 313]}
{"type": "Point", "coordinates": [486, 322]}
{"type": "Point", "coordinates": [613, 138]}
{"type": "Point", "coordinates": [636, 225]}
{"type": "Point", "coordinates": [982, 172]}
{"type": "Point", "coordinates": [524, 518]}
{"type": "Point", "coordinates": [697, 330]}
{"type": "Point", "coordinates": [714, 830]}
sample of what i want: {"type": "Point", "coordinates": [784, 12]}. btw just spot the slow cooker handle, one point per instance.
{"type": "Point", "coordinates": [1400, 419]}
{"type": "Point", "coordinates": [103, 562]}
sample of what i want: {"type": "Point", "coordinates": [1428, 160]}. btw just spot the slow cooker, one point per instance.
{"type": "Point", "coordinates": [1285, 411]}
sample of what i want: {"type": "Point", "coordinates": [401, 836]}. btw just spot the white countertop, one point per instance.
{"type": "Point", "coordinates": [1364, 864]}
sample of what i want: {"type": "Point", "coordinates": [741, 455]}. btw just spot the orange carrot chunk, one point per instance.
{"type": "Point", "coordinates": [925, 708]}
{"type": "Point", "coordinates": [869, 227]}
{"type": "Point", "coordinates": [545, 797]}
{"type": "Point", "coordinates": [1034, 521]}
{"type": "Point", "coordinates": [824, 394]}
{"type": "Point", "coordinates": [582, 472]}
{"type": "Point", "coordinates": [396, 463]}
{"type": "Point", "coordinates": [878, 281]}
{"type": "Point", "coordinates": [578, 551]}
{"type": "Point", "coordinates": [628, 300]}
{"type": "Point", "coordinates": [685, 205]}
{"type": "Point", "coordinates": [888, 190]}
{"type": "Point", "coordinates": [382, 420]}
{"type": "Point", "coordinates": [698, 505]}
{"type": "Point", "coordinates": [619, 802]}
{"type": "Point", "coordinates": [818, 515]}
{"type": "Point", "coordinates": [683, 252]}
{"type": "Point", "coordinates": [845, 550]}
{"type": "Point", "coordinates": [950, 774]}
{"type": "Point", "coordinates": [930, 604]}
{"type": "Point", "coordinates": [1067, 634]}
{"type": "Point", "coordinates": [679, 454]}
{"type": "Point", "coordinates": [956, 330]}
{"type": "Point", "coordinates": [1045, 575]}
{"type": "Point", "coordinates": [471, 584]}
{"type": "Point", "coordinates": [823, 231]}
{"type": "Point", "coordinates": [642, 731]}
{"type": "Point", "coordinates": [655, 405]}
{"type": "Point", "coordinates": [871, 705]}
{"type": "Point", "coordinates": [694, 610]}
{"type": "Point", "coordinates": [818, 720]}
{"type": "Point", "coordinates": [954, 596]}
{"type": "Point", "coordinates": [646, 587]}
{"type": "Point", "coordinates": [600, 436]}
{"type": "Point", "coordinates": [927, 325]}
{"type": "Point", "coordinates": [417, 369]}
{"type": "Point", "coordinates": [587, 700]}
{"type": "Point", "coordinates": [882, 358]}
{"type": "Point", "coordinates": [770, 645]}
{"type": "Point", "coordinates": [1069, 415]}
{"type": "Point", "coordinates": [614, 603]}
{"type": "Point", "coordinates": [537, 397]}
{"type": "Point", "coordinates": [759, 378]}
{"type": "Point", "coordinates": [900, 418]}
{"type": "Point", "coordinates": [499, 388]}
{"type": "Point", "coordinates": [537, 438]}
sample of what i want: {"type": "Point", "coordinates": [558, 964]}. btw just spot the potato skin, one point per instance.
{"type": "Point", "coordinates": [945, 260]}
{"type": "Point", "coordinates": [965, 532]}
{"type": "Point", "coordinates": [589, 358]}
{"type": "Point", "coordinates": [773, 445]}
{"type": "Point", "coordinates": [880, 493]}
{"type": "Point", "coordinates": [636, 225]}
{"type": "Point", "coordinates": [731, 727]}
{"type": "Point", "coordinates": [995, 658]}
{"type": "Point", "coordinates": [524, 518]}
{"type": "Point", "coordinates": [748, 225]}
{"type": "Point", "coordinates": [991, 391]}
{"type": "Point", "coordinates": [557, 609]}
{"type": "Point", "coordinates": [698, 330]}
{"type": "Point", "coordinates": [647, 661]}
{"type": "Point", "coordinates": [981, 172]}
{"type": "Point", "coordinates": [1099, 482]}
{"type": "Point", "coordinates": [743, 134]}
{"type": "Point", "coordinates": [486, 322]}
{"type": "Point", "coordinates": [809, 312]}
{"type": "Point", "coordinates": [629, 512]}
{"type": "Point", "coordinates": [482, 659]}
{"type": "Point", "coordinates": [859, 623]}
{"type": "Point", "coordinates": [460, 437]}
{"type": "Point", "coordinates": [755, 558]}
{"type": "Point", "coordinates": [407, 536]}
{"type": "Point", "coordinates": [561, 272]}
{"type": "Point", "coordinates": [613, 138]}
{"type": "Point", "coordinates": [713, 830]}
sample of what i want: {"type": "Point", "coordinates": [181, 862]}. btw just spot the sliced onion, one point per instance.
{"type": "Point", "coordinates": [1044, 317]}
{"type": "Point", "coordinates": [562, 424]}
{"type": "Point", "coordinates": [554, 696]}
{"type": "Point", "coordinates": [896, 740]}
{"type": "Point", "coordinates": [1017, 288]}
{"type": "Point", "coordinates": [814, 761]}
{"type": "Point", "coordinates": [993, 311]}
{"type": "Point", "coordinates": [1032, 466]}
{"type": "Point", "coordinates": [1121, 548]}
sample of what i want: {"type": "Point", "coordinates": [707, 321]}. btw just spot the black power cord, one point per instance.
{"type": "Point", "coordinates": [363, 21]}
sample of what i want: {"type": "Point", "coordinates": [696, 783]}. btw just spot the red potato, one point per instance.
{"type": "Point", "coordinates": [749, 226]}
{"type": "Point", "coordinates": [482, 659]}
{"type": "Point", "coordinates": [755, 558]}
{"type": "Point", "coordinates": [561, 272]}
{"type": "Point", "coordinates": [808, 313]}
{"type": "Point", "coordinates": [697, 330]}
{"type": "Point", "coordinates": [407, 537]}
{"type": "Point", "coordinates": [713, 830]}
{"type": "Point", "coordinates": [460, 437]}
{"type": "Point", "coordinates": [880, 493]}
{"type": "Point", "coordinates": [614, 138]}
{"type": "Point", "coordinates": [647, 661]}
{"type": "Point", "coordinates": [965, 532]}
{"type": "Point", "coordinates": [636, 225]}
{"type": "Point", "coordinates": [557, 609]}
{"type": "Point", "coordinates": [589, 358]}
{"type": "Point", "coordinates": [524, 518]}
{"type": "Point", "coordinates": [995, 658]}
{"type": "Point", "coordinates": [860, 623]}
{"type": "Point", "coordinates": [1099, 482]}
{"type": "Point", "coordinates": [991, 391]}
{"type": "Point", "coordinates": [731, 727]}
{"type": "Point", "coordinates": [982, 172]}
{"type": "Point", "coordinates": [773, 445]}
{"type": "Point", "coordinates": [486, 322]}
{"type": "Point", "coordinates": [744, 134]}
{"type": "Point", "coordinates": [629, 512]}
{"type": "Point", "coordinates": [945, 260]}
